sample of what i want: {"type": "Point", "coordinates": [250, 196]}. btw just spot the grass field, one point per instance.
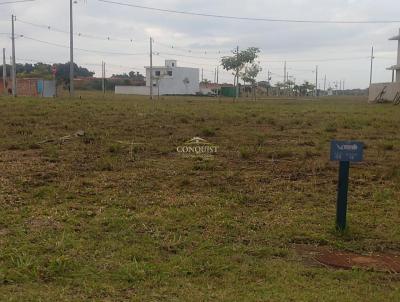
{"type": "Point", "coordinates": [94, 219]}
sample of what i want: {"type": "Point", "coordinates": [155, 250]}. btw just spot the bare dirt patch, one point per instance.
{"type": "Point", "coordinates": [347, 260]}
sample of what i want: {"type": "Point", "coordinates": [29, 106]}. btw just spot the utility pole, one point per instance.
{"type": "Point", "coordinates": [269, 82]}
{"type": "Point", "coordinates": [4, 71]}
{"type": "Point", "coordinates": [71, 51]}
{"type": "Point", "coordinates": [316, 81]}
{"type": "Point", "coordinates": [151, 68]}
{"type": "Point", "coordinates": [14, 74]}
{"type": "Point", "coordinates": [217, 74]}
{"type": "Point", "coordinates": [325, 83]}
{"type": "Point", "coordinates": [372, 61]}
{"type": "Point", "coordinates": [284, 78]}
{"type": "Point", "coordinates": [288, 83]}
{"type": "Point", "coordinates": [237, 73]}
{"type": "Point", "coordinates": [202, 75]}
{"type": "Point", "coordinates": [103, 77]}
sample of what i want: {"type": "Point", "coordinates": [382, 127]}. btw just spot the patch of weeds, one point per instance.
{"type": "Point", "coordinates": [24, 132]}
{"type": "Point", "coordinates": [184, 120]}
{"type": "Point", "coordinates": [260, 120]}
{"type": "Point", "coordinates": [105, 164]}
{"type": "Point", "coordinates": [261, 140]}
{"type": "Point", "coordinates": [115, 148]}
{"type": "Point", "coordinates": [297, 122]}
{"type": "Point", "coordinates": [393, 173]}
{"type": "Point", "coordinates": [388, 146]}
{"type": "Point", "coordinates": [271, 121]}
{"type": "Point", "coordinates": [35, 146]}
{"type": "Point", "coordinates": [352, 124]}
{"type": "Point", "coordinates": [59, 266]}
{"type": "Point", "coordinates": [204, 166]}
{"type": "Point", "coordinates": [310, 153]}
{"type": "Point", "coordinates": [245, 153]}
{"type": "Point", "coordinates": [383, 195]}
{"type": "Point", "coordinates": [208, 132]}
{"type": "Point", "coordinates": [16, 147]}
{"type": "Point", "coordinates": [88, 139]}
{"type": "Point", "coordinates": [268, 252]}
{"type": "Point", "coordinates": [307, 143]}
{"type": "Point", "coordinates": [331, 128]}
{"type": "Point", "coordinates": [184, 182]}
{"type": "Point", "coordinates": [51, 153]}
{"type": "Point", "coordinates": [43, 192]}
{"type": "Point", "coordinates": [24, 268]}
{"type": "Point", "coordinates": [134, 271]}
{"type": "Point", "coordinates": [280, 154]}
{"type": "Point", "coordinates": [244, 198]}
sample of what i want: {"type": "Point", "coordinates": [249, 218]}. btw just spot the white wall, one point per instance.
{"type": "Point", "coordinates": [391, 89]}
{"type": "Point", "coordinates": [175, 84]}
{"type": "Point", "coordinates": [139, 90]}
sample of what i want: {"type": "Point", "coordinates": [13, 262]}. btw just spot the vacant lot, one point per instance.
{"type": "Point", "coordinates": [97, 218]}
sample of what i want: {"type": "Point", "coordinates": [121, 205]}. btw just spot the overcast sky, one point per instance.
{"type": "Point", "coordinates": [199, 41]}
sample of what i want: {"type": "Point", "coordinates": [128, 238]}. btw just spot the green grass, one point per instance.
{"type": "Point", "coordinates": [99, 219]}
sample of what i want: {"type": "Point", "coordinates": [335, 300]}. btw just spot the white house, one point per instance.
{"type": "Point", "coordinates": [167, 80]}
{"type": "Point", "coordinates": [388, 92]}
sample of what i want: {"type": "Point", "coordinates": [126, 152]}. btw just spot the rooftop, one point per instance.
{"type": "Point", "coordinates": [395, 37]}
{"type": "Point", "coordinates": [394, 67]}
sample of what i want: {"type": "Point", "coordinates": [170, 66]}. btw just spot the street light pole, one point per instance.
{"type": "Point", "coordinates": [151, 68]}
{"type": "Point", "coordinates": [14, 69]}
{"type": "Point", "coordinates": [71, 60]}
{"type": "Point", "coordinates": [4, 71]}
{"type": "Point", "coordinates": [372, 64]}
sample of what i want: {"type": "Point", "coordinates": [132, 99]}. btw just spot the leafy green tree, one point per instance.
{"type": "Point", "coordinates": [238, 61]}
{"type": "Point", "coordinates": [306, 88]}
{"type": "Point", "coordinates": [62, 72]}
{"type": "Point", "coordinates": [251, 71]}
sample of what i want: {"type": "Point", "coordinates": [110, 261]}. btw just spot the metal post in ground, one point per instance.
{"type": "Point", "coordinates": [343, 187]}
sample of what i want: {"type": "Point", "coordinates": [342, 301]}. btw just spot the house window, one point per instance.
{"type": "Point", "coordinates": [173, 64]}
{"type": "Point", "coordinates": [158, 73]}
{"type": "Point", "coordinates": [170, 73]}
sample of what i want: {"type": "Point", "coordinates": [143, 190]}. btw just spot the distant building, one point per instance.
{"type": "Point", "coordinates": [31, 87]}
{"type": "Point", "coordinates": [388, 92]}
{"type": "Point", "coordinates": [167, 80]}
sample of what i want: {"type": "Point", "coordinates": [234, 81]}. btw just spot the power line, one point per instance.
{"type": "Point", "coordinates": [77, 34]}
{"type": "Point", "coordinates": [248, 18]}
{"type": "Point", "coordinates": [15, 2]}
{"type": "Point", "coordinates": [316, 60]}
{"type": "Point", "coordinates": [82, 49]}
{"type": "Point", "coordinates": [108, 38]}
{"type": "Point", "coordinates": [205, 52]}
{"type": "Point", "coordinates": [185, 56]}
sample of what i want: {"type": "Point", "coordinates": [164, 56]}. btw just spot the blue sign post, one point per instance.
{"type": "Point", "coordinates": [344, 152]}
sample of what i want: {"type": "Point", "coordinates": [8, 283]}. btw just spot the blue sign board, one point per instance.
{"type": "Point", "coordinates": [347, 151]}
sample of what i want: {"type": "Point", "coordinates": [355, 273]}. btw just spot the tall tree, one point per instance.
{"type": "Point", "coordinates": [250, 74]}
{"type": "Point", "coordinates": [238, 61]}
